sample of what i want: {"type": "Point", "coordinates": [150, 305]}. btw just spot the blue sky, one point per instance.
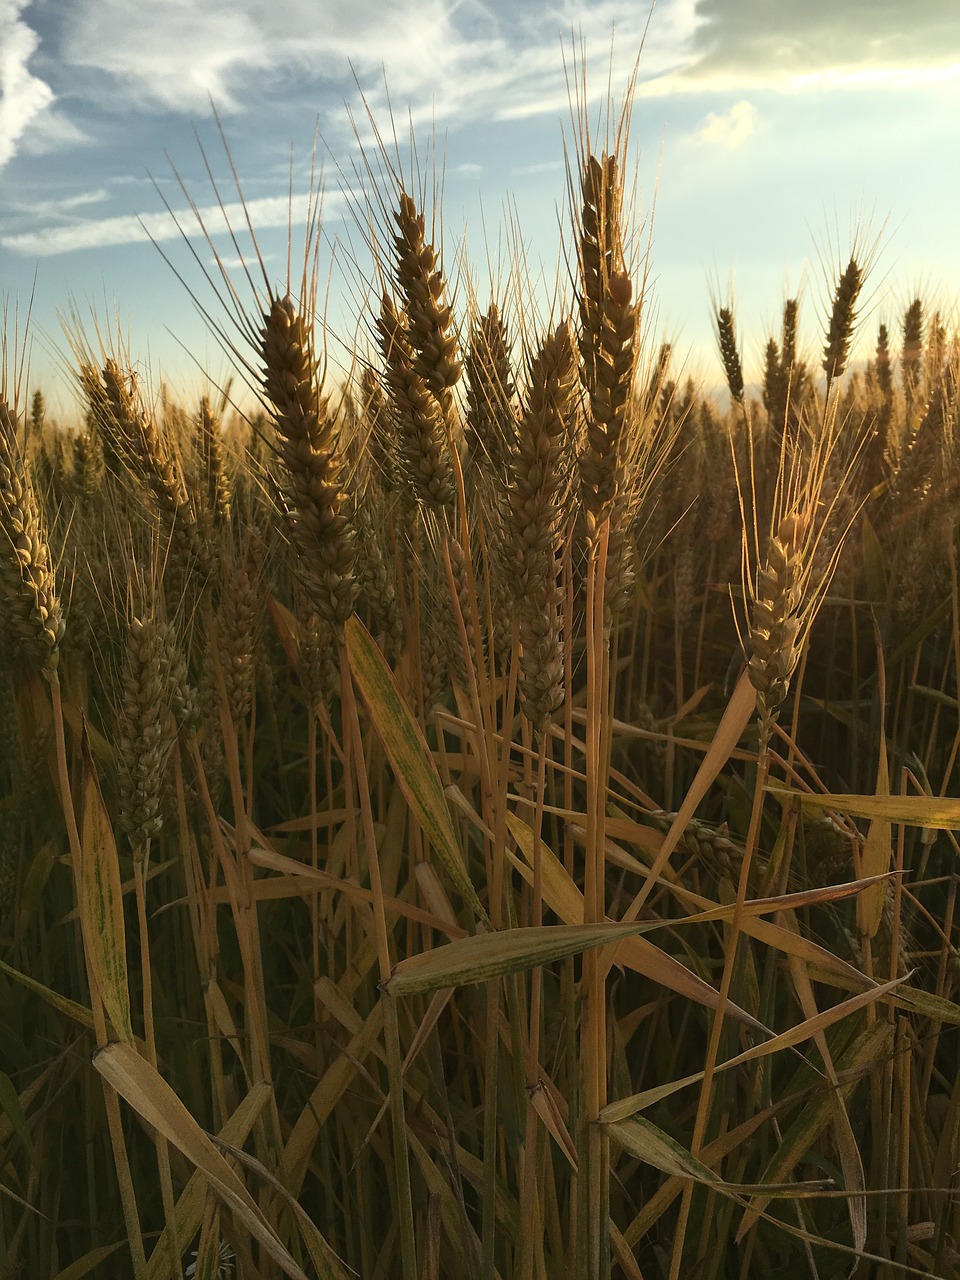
{"type": "Point", "coordinates": [767, 132]}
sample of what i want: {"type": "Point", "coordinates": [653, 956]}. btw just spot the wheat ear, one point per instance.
{"type": "Point", "coordinates": [430, 319]}
{"type": "Point", "coordinates": [730, 353]}
{"type": "Point", "coordinates": [843, 318]}
{"type": "Point", "coordinates": [491, 425]}
{"type": "Point", "coordinates": [150, 456]}
{"type": "Point", "coordinates": [26, 567]}
{"type": "Point", "coordinates": [423, 438]}
{"type": "Point", "coordinates": [538, 483]}
{"type": "Point", "coordinates": [607, 336]}
{"type": "Point", "coordinates": [775, 621]}
{"type": "Point", "coordinates": [319, 506]}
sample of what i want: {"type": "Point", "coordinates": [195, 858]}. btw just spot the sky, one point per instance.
{"type": "Point", "coordinates": [768, 137]}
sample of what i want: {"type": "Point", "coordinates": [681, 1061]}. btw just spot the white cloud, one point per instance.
{"type": "Point", "coordinates": [177, 54]}
{"type": "Point", "coordinates": [59, 206]}
{"type": "Point", "coordinates": [274, 211]}
{"type": "Point", "coordinates": [729, 130]}
{"type": "Point", "coordinates": [233, 262]}
{"type": "Point", "coordinates": [539, 166]}
{"type": "Point", "coordinates": [445, 58]}
{"type": "Point", "coordinates": [879, 77]}
{"type": "Point", "coordinates": [167, 53]}
{"type": "Point", "coordinates": [665, 31]}
{"type": "Point", "coordinates": [23, 96]}
{"type": "Point", "coordinates": [51, 131]}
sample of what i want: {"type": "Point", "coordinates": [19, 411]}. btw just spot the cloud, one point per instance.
{"type": "Point", "coordinates": [729, 130]}
{"type": "Point", "coordinates": [164, 54]}
{"type": "Point", "coordinates": [51, 131]}
{"type": "Point", "coordinates": [450, 61]}
{"type": "Point", "coordinates": [453, 62]}
{"type": "Point", "coordinates": [102, 233]}
{"type": "Point", "coordinates": [233, 262]}
{"type": "Point", "coordinates": [539, 166]}
{"type": "Point", "coordinates": [58, 207]}
{"type": "Point", "coordinates": [753, 42]}
{"type": "Point", "coordinates": [177, 55]}
{"type": "Point", "coordinates": [23, 96]}
{"type": "Point", "coordinates": [457, 59]}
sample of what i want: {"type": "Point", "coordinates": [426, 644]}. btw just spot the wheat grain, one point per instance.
{"type": "Point", "coordinates": [239, 622]}
{"type": "Point", "coordinates": [150, 456]}
{"type": "Point", "coordinates": [911, 358]}
{"type": "Point", "coordinates": [215, 485]}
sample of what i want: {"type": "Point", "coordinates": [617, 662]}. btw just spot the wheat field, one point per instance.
{"type": "Point", "coordinates": [490, 815]}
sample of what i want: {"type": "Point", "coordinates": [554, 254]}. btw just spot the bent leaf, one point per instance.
{"type": "Point", "coordinates": [63, 1004]}
{"type": "Point", "coordinates": [562, 896]}
{"type": "Point", "coordinates": [408, 754]}
{"type": "Point", "coordinates": [733, 722]}
{"type": "Point", "coordinates": [491, 955]}
{"type": "Point", "coordinates": [11, 1107]}
{"type": "Point", "coordinates": [154, 1100]}
{"type": "Point", "coordinates": [654, 1147]}
{"type": "Point", "coordinates": [937, 813]}
{"type": "Point", "coordinates": [188, 1213]}
{"type": "Point", "coordinates": [806, 1030]}
{"type": "Point", "coordinates": [640, 954]}
{"type": "Point", "coordinates": [89, 1262]}
{"type": "Point", "coordinates": [866, 1051]}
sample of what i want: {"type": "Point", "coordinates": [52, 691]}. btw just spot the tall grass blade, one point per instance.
{"type": "Point", "coordinates": [491, 955]}
{"type": "Point", "coordinates": [153, 1099]}
{"type": "Point", "coordinates": [409, 755]}
{"type": "Point", "coordinates": [101, 902]}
